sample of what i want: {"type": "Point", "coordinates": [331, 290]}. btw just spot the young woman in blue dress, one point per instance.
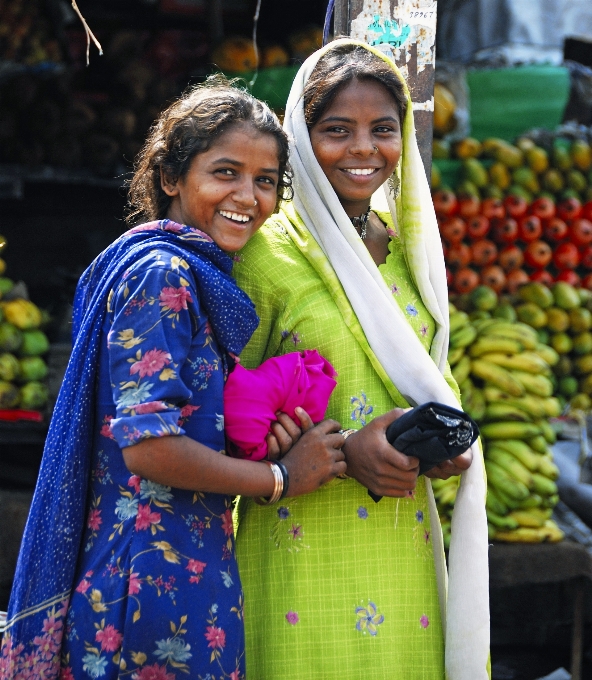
{"type": "Point", "coordinates": [127, 568]}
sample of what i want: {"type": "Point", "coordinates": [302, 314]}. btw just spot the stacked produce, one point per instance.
{"type": "Point", "coordinates": [22, 345]}
{"type": "Point", "coordinates": [556, 165]}
{"type": "Point", "coordinates": [506, 243]}
{"type": "Point", "coordinates": [505, 376]}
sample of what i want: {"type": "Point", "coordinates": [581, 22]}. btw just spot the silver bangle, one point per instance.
{"type": "Point", "coordinates": [278, 488]}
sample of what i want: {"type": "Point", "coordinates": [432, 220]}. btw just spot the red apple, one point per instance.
{"type": "Point", "coordinates": [483, 252]}
{"type": "Point", "coordinates": [566, 256]}
{"type": "Point", "coordinates": [538, 254]}
{"type": "Point", "coordinates": [453, 230]}
{"type": "Point", "coordinates": [555, 229]}
{"type": "Point", "coordinates": [465, 280]}
{"type": "Point", "coordinates": [587, 211]}
{"type": "Point", "coordinates": [569, 276]}
{"type": "Point", "coordinates": [569, 209]}
{"type": "Point", "coordinates": [477, 227]}
{"type": "Point", "coordinates": [468, 206]}
{"type": "Point", "coordinates": [445, 202]}
{"type": "Point", "coordinates": [515, 279]}
{"type": "Point", "coordinates": [542, 276]}
{"type": "Point", "coordinates": [459, 255]}
{"type": "Point", "coordinates": [580, 231]}
{"type": "Point", "coordinates": [511, 257]}
{"type": "Point", "coordinates": [505, 230]}
{"type": "Point", "coordinates": [586, 254]}
{"type": "Point", "coordinates": [494, 277]}
{"type": "Point", "coordinates": [543, 207]}
{"type": "Point", "coordinates": [516, 206]}
{"type": "Point", "coordinates": [493, 208]}
{"type": "Point", "coordinates": [530, 228]}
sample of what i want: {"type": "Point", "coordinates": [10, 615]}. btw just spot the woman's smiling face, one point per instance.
{"type": "Point", "coordinates": [230, 189]}
{"type": "Point", "coordinates": [357, 142]}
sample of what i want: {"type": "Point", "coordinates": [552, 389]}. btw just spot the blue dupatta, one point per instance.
{"type": "Point", "coordinates": [49, 550]}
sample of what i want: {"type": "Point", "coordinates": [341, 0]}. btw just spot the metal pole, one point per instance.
{"type": "Point", "coordinates": [406, 30]}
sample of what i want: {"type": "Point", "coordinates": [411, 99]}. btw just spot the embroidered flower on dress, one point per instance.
{"type": "Point", "coordinates": [423, 329]}
{"type": "Point", "coordinates": [196, 566]}
{"type": "Point", "coordinates": [296, 338]}
{"type": "Point", "coordinates": [155, 491]}
{"type": "Point", "coordinates": [411, 310]}
{"type": "Point", "coordinates": [368, 619]}
{"type": "Point", "coordinates": [361, 408]}
{"type": "Point", "coordinates": [424, 622]}
{"type": "Point", "coordinates": [175, 299]}
{"type": "Point", "coordinates": [395, 290]}
{"type": "Point", "coordinates": [419, 516]}
{"type": "Point", "coordinates": [292, 618]}
{"type": "Point", "coordinates": [362, 512]}
{"type": "Point", "coordinates": [283, 512]}
{"type": "Point", "coordinates": [154, 360]}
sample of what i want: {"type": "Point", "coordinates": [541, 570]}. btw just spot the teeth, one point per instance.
{"type": "Point", "coordinates": [237, 217]}
{"type": "Point", "coordinates": [360, 171]}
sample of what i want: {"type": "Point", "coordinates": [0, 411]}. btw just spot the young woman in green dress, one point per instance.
{"type": "Point", "coordinates": [337, 585]}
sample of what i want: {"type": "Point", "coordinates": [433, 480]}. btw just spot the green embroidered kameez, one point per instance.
{"type": "Point", "coordinates": [336, 585]}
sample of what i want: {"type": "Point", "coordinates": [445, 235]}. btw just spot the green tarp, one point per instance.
{"type": "Point", "coordinates": [507, 102]}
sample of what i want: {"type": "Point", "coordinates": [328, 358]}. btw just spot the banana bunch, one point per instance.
{"type": "Point", "coordinates": [504, 374]}
{"type": "Point", "coordinates": [445, 494]}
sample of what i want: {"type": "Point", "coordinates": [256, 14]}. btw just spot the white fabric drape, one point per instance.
{"type": "Point", "coordinates": [416, 374]}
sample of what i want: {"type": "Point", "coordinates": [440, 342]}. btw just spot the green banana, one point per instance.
{"type": "Point", "coordinates": [458, 319]}
{"type": "Point", "coordinates": [463, 337]}
{"type": "Point", "coordinates": [518, 331]}
{"type": "Point", "coordinates": [499, 410]}
{"type": "Point", "coordinates": [534, 517]}
{"type": "Point", "coordinates": [497, 376]}
{"type": "Point", "coordinates": [491, 531]}
{"type": "Point", "coordinates": [455, 355]}
{"type": "Point", "coordinates": [509, 430]}
{"type": "Point", "coordinates": [462, 370]}
{"type": "Point", "coordinates": [547, 431]}
{"type": "Point", "coordinates": [528, 403]}
{"type": "Point", "coordinates": [522, 535]}
{"type": "Point", "coordinates": [506, 499]}
{"type": "Point", "coordinates": [526, 361]}
{"type": "Point", "coordinates": [538, 443]}
{"type": "Point", "coordinates": [551, 406]}
{"type": "Point", "coordinates": [494, 502]}
{"type": "Point", "coordinates": [547, 354]}
{"type": "Point", "coordinates": [502, 522]}
{"type": "Point", "coordinates": [501, 480]}
{"type": "Point", "coordinates": [538, 385]}
{"type": "Point", "coordinates": [551, 501]}
{"type": "Point", "coordinates": [543, 485]}
{"type": "Point", "coordinates": [511, 465]}
{"type": "Point", "coordinates": [548, 469]}
{"type": "Point", "coordinates": [533, 501]}
{"type": "Point", "coordinates": [485, 345]}
{"type": "Point", "coordinates": [520, 450]}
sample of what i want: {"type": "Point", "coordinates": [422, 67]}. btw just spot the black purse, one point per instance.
{"type": "Point", "coordinates": [433, 433]}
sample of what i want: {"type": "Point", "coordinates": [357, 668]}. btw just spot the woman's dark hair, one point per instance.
{"type": "Point", "coordinates": [189, 127]}
{"type": "Point", "coordinates": [337, 68]}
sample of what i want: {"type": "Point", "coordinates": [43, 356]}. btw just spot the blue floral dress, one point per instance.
{"type": "Point", "coordinates": [157, 593]}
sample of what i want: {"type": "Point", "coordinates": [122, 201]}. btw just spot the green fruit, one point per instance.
{"type": "Point", "coordinates": [440, 148]}
{"type": "Point", "coordinates": [580, 318]}
{"type": "Point", "coordinates": [9, 395]}
{"type": "Point", "coordinates": [11, 337]}
{"type": "Point", "coordinates": [543, 336]}
{"type": "Point", "coordinates": [557, 319]}
{"type": "Point", "coordinates": [466, 188]}
{"type": "Point", "coordinates": [569, 193]}
{"type": "Point", "coordinates": [499, 176]}
{"type": "Point", "coordinates": [9, 367]}
{"type": "Point", "coordinates": [474, 171]}
{"type": "Point", "coordinates": [560, 157]}
{"type": "Point", "coordinates": [479, 314]}
{"type": "Point", "coordinates": [483, 298]}
{"type": "Point", "coordinates": [527, 179]}
{"type": "Point", "coordinates": [563, 367]}
{"type": "Point", "coordinates": [6, 285]}
{"type": "Point", "coordinates": [568, 386]}
{"type": "Point", "coordinates": [581, 154]}
{"type": "Point", "coordinates": [517, 190]}
{"type": "Point", "coordinates": [582, 343]}
{"type": "Point", "coordinates": [583, 365]}
{"type": "Point", "coordinates": [504, 311]}
{"type": "Point", "coordinates": [585, 296]}
{"type": "Point", "coordinates": [537, 159]}
{"type": "Point", "coordinates": [565, 295]}
{"type": "Point", "coordinates": [531, 314]}
{"type": "Point", "coordinates": [34, 343]}
{"type": "Point", "coordinates": [561, 343]}
{"type": "Point", "coordinates": [33, 395]}
{"type": "Point", "coordinates": [32, 368]}
{"type": "Point", "coordinates": [580, 402]}
{"type": "Point", "coordinates": [509, 155]}
{"type": "Point", "coordinates": [491, 191]}
{"type": "Point", "coordinates": [552, 181]}
{"type": "Point", "coordinates": [537, 293]}
{"type": "Point", "coordinates": [575, 180]}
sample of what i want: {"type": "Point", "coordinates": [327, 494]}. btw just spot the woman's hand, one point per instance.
{"type": "Point", "coordinates": [316, 458]}
{"type": "Point", "coordinates": [376, 464]}
{"type": "Point", "coordinates": [452, 467]}
{"type": "Point", "coordinates": [284, 434]}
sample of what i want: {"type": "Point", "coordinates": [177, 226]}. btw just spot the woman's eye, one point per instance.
{"type": "Point", "coordinates": [267, 180]}
{"type": "Point", "coordinates": [337, 128]}
{"type": "Point", "coordinates": [227, 172]}
{"type": "Point", "coordinates": [381, 129]}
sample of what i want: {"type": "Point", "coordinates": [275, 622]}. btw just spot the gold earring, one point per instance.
{"type": "Point", "coordinates": [394, 184]}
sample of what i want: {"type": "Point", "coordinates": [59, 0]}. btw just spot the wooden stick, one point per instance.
{"type": "Point", "coordinates": [89, 34]}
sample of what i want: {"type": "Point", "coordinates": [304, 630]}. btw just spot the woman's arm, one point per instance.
{"type": "Point", "coordinates": [184, 463]}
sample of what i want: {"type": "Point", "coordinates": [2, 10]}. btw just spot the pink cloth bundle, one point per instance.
{"type": "Point", "coordinates": [252, 397]}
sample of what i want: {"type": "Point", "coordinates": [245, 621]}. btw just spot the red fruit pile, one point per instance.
{"type": "Point", "coordinates": [505, 243]}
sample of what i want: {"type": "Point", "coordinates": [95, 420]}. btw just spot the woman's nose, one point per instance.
{"type": "Point", "coordinates": [363, 145]}
{"type": "Point", "coordinates": [245, 194]}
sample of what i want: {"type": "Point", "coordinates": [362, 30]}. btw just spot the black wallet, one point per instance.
{"type": "Point", "coordinates": [433, 433]}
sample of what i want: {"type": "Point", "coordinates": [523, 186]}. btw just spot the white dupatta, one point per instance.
{"type": "Point", "coordinates": [464, 595]}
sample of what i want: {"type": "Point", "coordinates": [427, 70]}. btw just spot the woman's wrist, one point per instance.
{"type": "Point", "coordinates": [346, 434]}
{"type": "Point", "coordinates": [281, 484]}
